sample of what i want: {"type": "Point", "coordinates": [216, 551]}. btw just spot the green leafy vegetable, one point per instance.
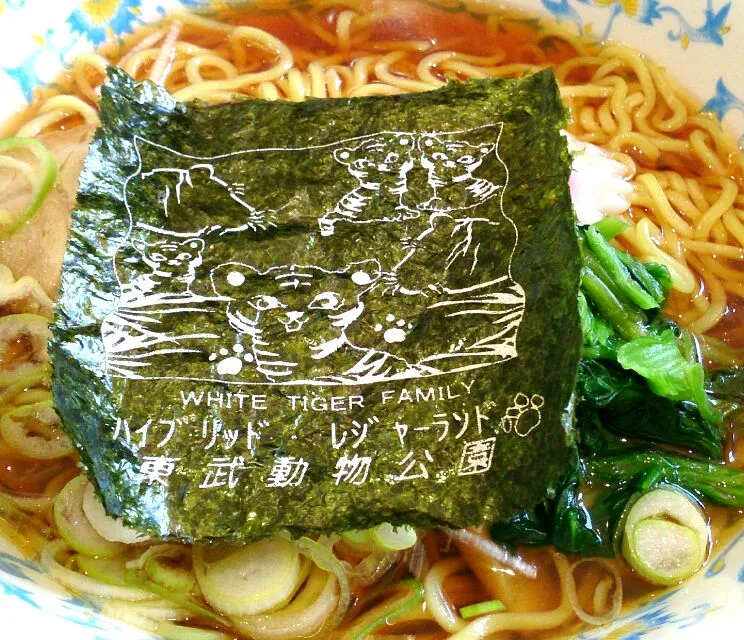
{"type": "Point", "coordinates": [714, 481]}
{"type": "Point", "coordinates": [640, 384]}
{"type": "Point", "coordinates": [568, 522]}
{"type": "Point", "coordinates": [654, 278]}
{"type": "Point", "coordinates": [618, 272]}
{"type": "Point", "coordinates": [298, 316]}
{"type": "Point", "coordinates": [611, 226]}
{"type": "Point", "coordinates": [669, 374]}
{"type": "Point", "coordinates": [728, 384]}
{"type": "Point", "coordinates": [625, 319]}
{"type": "Point", "coordinates": [626, 405]}
{"type": "Point", "coordinates": [529, 528]}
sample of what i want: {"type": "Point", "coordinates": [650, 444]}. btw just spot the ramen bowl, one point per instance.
{"type": "Point", "coordinates": [698, 41]}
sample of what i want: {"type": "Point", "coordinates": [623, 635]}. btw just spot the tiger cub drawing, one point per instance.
{"type": "Point", "coordinates": [450, 165]}
{"type": "Point", "coordinates": [173, 265]}
{"type": "Point", "coordinates": [380, 164]}
{"type": "Point", "coordinates": [297, 319]}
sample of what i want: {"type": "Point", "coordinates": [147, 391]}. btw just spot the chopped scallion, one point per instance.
{"type": "Point", "coordinates": [394, 538]}
{"type": "Point", "coordinates": [42, 182]}
{"type": "Point", "coordinates": [481, 608]}
{"type": "Point", "coordinates": [666, 536]}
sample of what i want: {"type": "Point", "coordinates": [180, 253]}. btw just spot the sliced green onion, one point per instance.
{"type": "Point", "coordinates": [304, 617]}
{"type": "Point", "coordinates": [18, 528]}
{"type": "Point", "coordinates": [26, 440]}
{"type": "Point", "coordinates": [52, 564]}
{"type": "Point", "coordinates": [322, 555]}
{"type": "Point", "coordinates": [41, 186]}
{"type": "Point", "coordinates": [74, 526]}
{"type": "Point", "coordinates": [137, 579]}
{"type": "Point", "coordinates": [154, 610]}
{"type": "Point", "coordinates": [394, 538]}
{"type": "Point", "coordinates": [172, 576]}
{"type": "Point", "coordinates": [107, 570]}
{"type": "Point", "coordinates": [665, 537]}
{"type": "Point", "coordinates": [356, 536]}
{"type": "Point", "coordinates": [171, 631]}
{"type": "Point", "coordinates": [374, 565]}
{"type": "Point", "coordinates": [247, 580]}
{"type": "Point", "coordinates": [26, 381]}
{"type": "Point", "coordinates": [388, 612]}
{"type": "Point", "coordinates": [489, 606]}
{"type": "Point", "coordinates": [22, 327]}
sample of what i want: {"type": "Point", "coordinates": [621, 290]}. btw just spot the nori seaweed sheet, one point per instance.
{"type": "Point", "coordinates": [321, 316]}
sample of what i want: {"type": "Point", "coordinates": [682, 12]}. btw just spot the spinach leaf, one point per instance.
{"type": "Point", "coordinates": [623, 277]}
{"type": "Point", "coordinates": [728, 385]}
{"type": "Point", "coordinates": [573, 528]}
{"type": "Point", "coordinates": [600, 339]}
{"type": "Point", "coordinates": [625, 404]}
{"type": "Point", "coordinates": [528, 527]}
{"type": "Point", "coordinates": [568, 522]}
{"type": "Point", "coordinates": [714, 481]}
{"type": "Point", "coordinates": [660, 361]}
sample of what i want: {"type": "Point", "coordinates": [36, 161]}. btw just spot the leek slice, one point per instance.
{"type": "Point", "coordinates": [52, 559]}
{"type": "Point", "coordinates": [75, 527]}
{"type": "Point", "coordinates": [184, 601]}
{"type": "Point", "coordinates": [171, 631]}
{"type": "Point", "coordinates": [386, 536]}
{"type": "Point", "coordinates": [304, 617]}
{"type": "Point", "coordinates": [393, 538]}
{"type": "Point", "coordinates": [42, 440]}
{"type": "Point", "coordinates": [665, 538]}
{"type": "Point", "coordinates": [406, 595]}
{"type": "Point", "coordinates": [480, 608]}
{"type": "Point", "coordinates": [38, 376]}
{"type": "Point", "coordinates": [244, 581]}
{"type": "Point", "coordinates": [23, 345]}
{"type": "Point", "coordinates": [107, 570]}
{"type": "Point", "coordinates": [42, 179]}
{"type": "Point", "coordinates": [110, 528]}
{"type": "Point", "coordinates": [158, 563]}
{"type": "Point", "coordinates": [357, 537]}
{"type": "Point", "coordinates": [321, 553]}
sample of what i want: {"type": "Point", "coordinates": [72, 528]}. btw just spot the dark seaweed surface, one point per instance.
{"type": "Point", "coordinates": [288, 192]}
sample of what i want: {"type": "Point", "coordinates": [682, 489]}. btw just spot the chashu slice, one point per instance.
{"type": "Point", "coordinates": [37, 248]}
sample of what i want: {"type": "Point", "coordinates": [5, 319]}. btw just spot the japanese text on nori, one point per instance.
{"type": "Point", "coordinates": [321, 316]}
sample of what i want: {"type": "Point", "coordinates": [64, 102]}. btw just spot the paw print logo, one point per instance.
{"type": "Point", "coordinates": [395, 333]}
{"type": "Point", "coordinates": [523, 416]}
{"type": "Point", "coordinates": [230, 364]}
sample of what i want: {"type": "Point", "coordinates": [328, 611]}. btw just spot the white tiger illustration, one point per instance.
{"type": "Point", "coordinates": [380, 164]}
{"type": "Point", "coordinates": [182, 188]}
{"type": "Point", "coordinates": [173, 265]}
{"type": "Point", "coordinates": [297, 316]}
{"type": "Point", "coordinates": [450, 164]}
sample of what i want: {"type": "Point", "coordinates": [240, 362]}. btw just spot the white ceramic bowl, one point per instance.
{"type": "Point", "coordinates": [700, 41]}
